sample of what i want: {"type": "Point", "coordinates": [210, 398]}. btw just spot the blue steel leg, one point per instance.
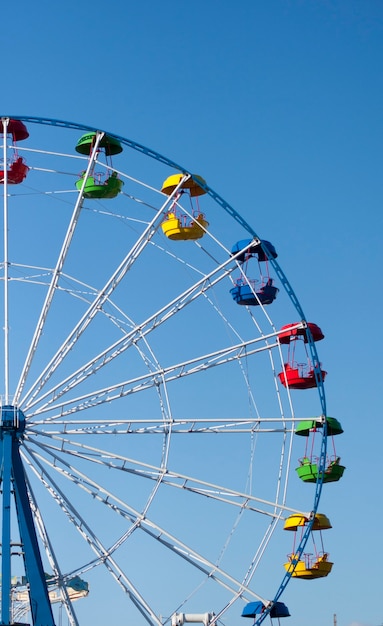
{"type": "Point", "coordinates": [39, 600]}
{"type": "Point", "coordinates": [6, 530]}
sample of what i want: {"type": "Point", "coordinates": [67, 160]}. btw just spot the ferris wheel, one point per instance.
{"type": "Point", "coordinates": [156, 370]}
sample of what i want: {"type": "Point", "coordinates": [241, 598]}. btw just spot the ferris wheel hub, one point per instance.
{"type": "Point", "coordinates": [12, 419]}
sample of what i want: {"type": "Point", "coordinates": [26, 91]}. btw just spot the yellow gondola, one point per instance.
{"type": "Point", "coordinates": [182, 227]}
{"type": "Point", "coordinates": [173, 228]}
{"type": "Point", "coordinates": [308, 566]}
{"type": "Point", "coordinates": [321, 522]}
{"type": "Point", "coordinates": [191, 184]}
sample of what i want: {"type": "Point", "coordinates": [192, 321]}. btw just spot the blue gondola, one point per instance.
{"type": "Point", "coordinates": [253, 292]}
{"type": "Point", "coordinates": [253, 248]}
{"type": "Point", "coordinates": [252, 609]}
{"type": "Point", "coordinates": [246, 294]}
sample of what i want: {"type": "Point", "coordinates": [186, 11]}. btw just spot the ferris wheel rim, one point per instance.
{"type": "Point", "coordinates": [282, 277]}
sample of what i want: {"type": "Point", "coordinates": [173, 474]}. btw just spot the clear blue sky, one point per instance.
{"type": "Point", "coordinates": [278, 105]}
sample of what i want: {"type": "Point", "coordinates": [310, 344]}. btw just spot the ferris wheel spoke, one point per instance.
{"type": "Point", "coordinates": [153, 378]}
{"type": "Point", "coordinates": [4, 123]}
{"type": "Point", "coordinates": [103, 554]}
{"type": "Point", "coordinates": [178, 426]}
{"type": "Point", "coordinates": [140, 521]}
{"type": "Point", "coordinates": [52, 559]}
{"type": "Point", "coordinates": [167, 476]}
{"type": "Point", "coordinates": [55, 277]}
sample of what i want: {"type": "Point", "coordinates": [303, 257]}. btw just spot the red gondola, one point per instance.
{"type": "Point", "coordinates": [17, 169]}
{"type": "Point", "coordinates": [303, 374]}
{"type": "Point", "coordinates": [301, 377]}
{"type": "Point", "coordinates": [290, 331]}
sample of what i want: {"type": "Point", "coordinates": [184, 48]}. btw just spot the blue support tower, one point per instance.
{"type": "Point", "coordinates": [13, 482]}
